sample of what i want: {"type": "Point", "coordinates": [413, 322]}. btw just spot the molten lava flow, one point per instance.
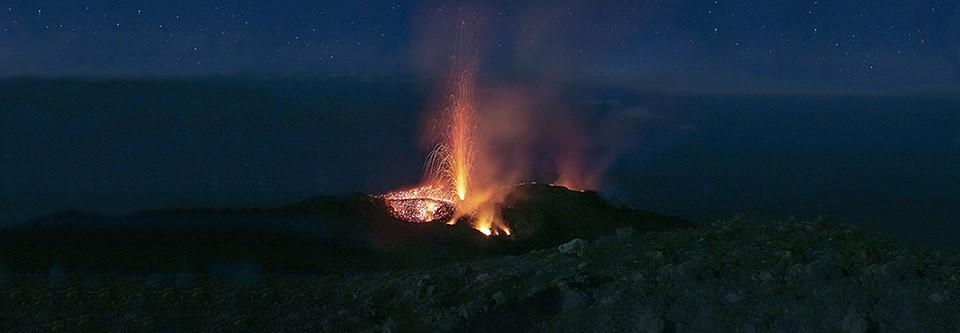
{"type": "Point", "coordinates": [481, 210]}
{"type": "Point", "coordinates": [420, 205]}
{"type": "Point", "coordinates": [488, 222]}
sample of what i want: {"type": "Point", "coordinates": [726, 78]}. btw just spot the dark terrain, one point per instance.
{"type": "Point", "coordinates": [734, 276]}
{"type": "Point", "coordinates": [319, 235]}
{"type": "Point", "coordinates": [119, 261]}
{"type": "Point", "coordinates": [575, 262]}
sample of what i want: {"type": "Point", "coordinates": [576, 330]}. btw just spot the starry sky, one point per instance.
{"type": "Point", "coordinates": [899, 45]}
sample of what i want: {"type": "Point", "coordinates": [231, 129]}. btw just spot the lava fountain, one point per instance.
{"type": "Point", "coordinates": [447, 192]}
{"type": "Point", "coordinates": [451, 161]}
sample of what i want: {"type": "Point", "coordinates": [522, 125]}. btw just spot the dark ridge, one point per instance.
{"type": "Point", "coordinates": [321, 234]}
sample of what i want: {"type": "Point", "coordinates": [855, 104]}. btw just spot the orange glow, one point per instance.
{"type": "Point", "coordinates": [451, 170]}
{"type": "Point", "coordinates": [487, 221]}
{"type": "Point", "coordinates": [481, 210]}
{"type": "Point", "coordinates": [483, 142]}
{"type": "Point", "coordinates": [450, 167]}
{"type": "Point", "coordinates": [460, 132]}
{"type": "Point", "coordinates": [420, 205]}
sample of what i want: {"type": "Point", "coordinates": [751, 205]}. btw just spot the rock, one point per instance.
{"type": "Point", "coordinates": [869, 255]}
{"type": "Point", "coordinates": [575, 246]}
{"type": "Point", "coordinates": [482, 277]}
{"type": "Point", "coordinates": [464, 270]}
{"type": "Point", "coordinates": [854, 323]}
{"type": "Point", "coordinates": [444, 288]}
{"type": "Point", "coordinates": [666, 272]}
{"type": "Point", "coordinates": [638, 277]}
{"type": "Point", "coordinates": [654, 256]}
{"type": "Point", "coordinates": [823, 269]}
{"type": "Point", "coordinates": [500, 298]}
{"type": "Point", "coordinates": [899, 269]}
{"type": "Point", "coordinates": [870, 273]}
{"type": "Point", "coordinates": [764, 276]}
{"type": "Point", "coordinates": [651, 324]}
{"type": "Point", "coordinates": [610, 300]}
{"type": "Point", "coordinates": [784, 254]}
{"type": "Point", "coordinates": [574, 299]}
{"type": "Point", "coordinates": [470, 309]}
{"type": "Point", "coordinates": [794, 273]}
{"type": "Point", "coordinates": [583, 266]}
{"type": "Point", "coordinates": [935, 298]}
{"type": "Point", "coordinates": [729, 271]}
{"type": "Point", "coordinates": [388, 325]}
{"type": "Point", "coordinates": [449, 323]}
{"type": "Point", "coordinates": [695, 269]}
{"type": "Point", "coordinates": [731, 298]}
{"type": "Point", "coordinates": [729, 259]}
{"type": "Point", "coordinates": [624, 232]}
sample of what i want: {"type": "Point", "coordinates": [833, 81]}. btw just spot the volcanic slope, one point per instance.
{"type": "Point", "coordinates": [733, 276]}
{"type": "Point", "coordinates": [319, 235]}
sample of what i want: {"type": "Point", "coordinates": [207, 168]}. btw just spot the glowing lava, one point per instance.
{"type": "Point", "coordinates": [453, 189]}
{"type": "Point", "coordinates": [449, 192]}
{"type": "Point", "coordinates": [448, 168]}
{"type": "Point", "coordinates": [461, 138]}
{"type": "Point", "coordinates": [487, 221]}
{"type": "Point", "coordinates": [451, 162]}
{"type": "Point", "coordinates": [420, 205]}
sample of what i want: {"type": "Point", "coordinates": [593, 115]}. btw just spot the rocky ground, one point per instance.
{"type": "Point", "coordinates": [734, 276]}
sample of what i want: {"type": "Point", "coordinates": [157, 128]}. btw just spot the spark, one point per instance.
{"type": "Point", "coordinates": [449, 192]}
{"type": "Point", "coordinates": [420, 205]}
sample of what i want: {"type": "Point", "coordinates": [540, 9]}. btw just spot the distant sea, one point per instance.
{"type": "Point", "coordinates": [891, 162]}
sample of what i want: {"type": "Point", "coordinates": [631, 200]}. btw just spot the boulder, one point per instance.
{"type": "Point", "coordinates": [576, 246]}
{"type": "Point", "coordinates": [652, 323]}
{"type": "Point", "coordinates": [823, 269]}
{"type": "Point", "coordinates": [899, 269]}
{"type": "Point", "coordinates": [573, 300]}
{"type": "Point", "coordinates": [854, 323]}
{"type": "Point", "coordinates": [696, 269]}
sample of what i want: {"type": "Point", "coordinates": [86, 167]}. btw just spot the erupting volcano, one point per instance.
{"type": "Point", "coordinates": [447, 192]}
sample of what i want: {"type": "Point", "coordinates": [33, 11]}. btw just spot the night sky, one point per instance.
{"type": "Point", "coordinates": [906, 45]}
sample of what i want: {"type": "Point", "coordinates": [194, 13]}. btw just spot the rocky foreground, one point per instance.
{"type": "Point", "coordinates": [734, 276]}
